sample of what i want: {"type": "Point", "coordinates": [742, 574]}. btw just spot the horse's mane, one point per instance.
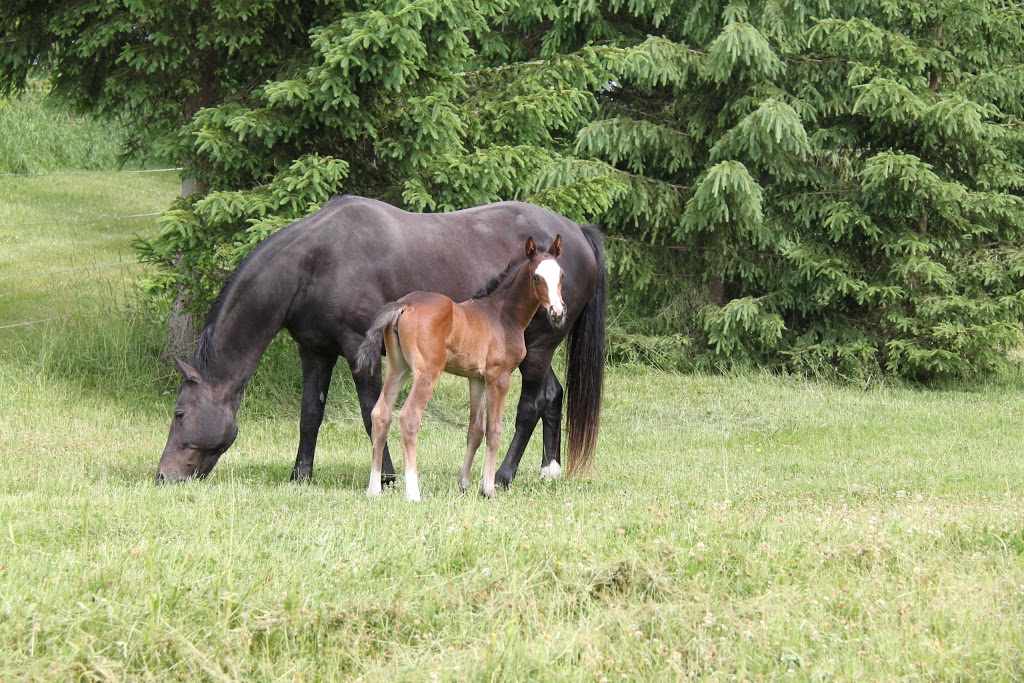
{"type": "Point", "coordinates": [206, 347]}
{"type": "Point", "coordinates": [496, 281]}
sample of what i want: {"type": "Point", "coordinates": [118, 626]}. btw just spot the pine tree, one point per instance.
{"type": "Point", "coordinates": [832, 187]}
{"type": "Point", "coordinates": [826, 186]}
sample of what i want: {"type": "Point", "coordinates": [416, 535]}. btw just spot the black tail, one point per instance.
{"type": "Point", "coordinates": [584, 372]}
{"type": "Point", "coordinates": [368, 355]}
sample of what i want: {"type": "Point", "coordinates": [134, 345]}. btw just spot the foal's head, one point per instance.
{"type": "Point", "coordinates": [546, 276]}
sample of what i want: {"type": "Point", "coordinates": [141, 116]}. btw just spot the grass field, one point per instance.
{"type": "Point", "coordinates": [734, 528]}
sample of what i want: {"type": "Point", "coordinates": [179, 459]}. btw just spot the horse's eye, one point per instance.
{"type": "Point", "coordinates": [536, 279]}
{"type": "Point", "coordinates": [179, 414]}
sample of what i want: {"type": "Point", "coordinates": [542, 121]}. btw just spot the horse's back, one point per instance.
{"type": "Point", "coordinates": [356, 254]}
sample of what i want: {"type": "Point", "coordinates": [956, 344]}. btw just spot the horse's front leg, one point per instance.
{"type": "Point", "coordinates": [316, 380]}
{"type": "Point", "coordinates": [477, 411]}
{"type": "Point", "coordinates": [497, 390]}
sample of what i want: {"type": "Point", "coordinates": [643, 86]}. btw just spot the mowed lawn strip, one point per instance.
{"type": "Point", "coordinates": [59, 232]}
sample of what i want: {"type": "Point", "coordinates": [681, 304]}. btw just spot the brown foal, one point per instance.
{"type": "Point", "coordinates": [426, 334]}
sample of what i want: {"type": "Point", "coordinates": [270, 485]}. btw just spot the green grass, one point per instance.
{"type": "Point", "coordinates": [38, 135]}
{"type": "Point", "coordinates": [734, 528]}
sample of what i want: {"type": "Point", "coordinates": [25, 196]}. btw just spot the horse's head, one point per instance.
{"type": "Point", "coordinates": [203, 428]}
{"type": "Point", "coordinates": [547, 278]}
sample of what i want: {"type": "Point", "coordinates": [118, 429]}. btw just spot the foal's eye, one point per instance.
{"type": "Point", "coordinates": [536, 279]}
{"type": "Point", "coordinates": [179, 414]}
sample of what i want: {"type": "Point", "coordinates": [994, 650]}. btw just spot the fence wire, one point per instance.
{"type": "Point", "coordinates": [74, 221]}
{"type": "Point", "coordinates": [71, 173]}
{"type": "Point", "coordinates": [100, 219]}
{"type": "Point", "coordinates": [69, 270]}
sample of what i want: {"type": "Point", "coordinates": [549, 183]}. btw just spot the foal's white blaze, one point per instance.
{"type": "Point", "coordinates": [551, 472]}
{"type": "Point", "coordinates": [412, 486]}
{"type": "Point", "coordinates": [551, 273]}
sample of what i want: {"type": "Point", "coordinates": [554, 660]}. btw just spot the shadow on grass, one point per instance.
{"type": "Point", "coordinates": [344, 476]}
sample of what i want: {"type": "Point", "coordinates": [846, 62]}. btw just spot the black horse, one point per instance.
{"type": "Point", "coordinates": [324, 277]}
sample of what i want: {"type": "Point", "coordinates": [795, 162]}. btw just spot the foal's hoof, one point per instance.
{"type": "Point", "coordinates": [487, 494]}
{"type": "Point", "coordinates": [463, 486]}
{"type": "Point", "coordinates": [301, 476]}
{"type": "Point", "coordinates": [387, 480]}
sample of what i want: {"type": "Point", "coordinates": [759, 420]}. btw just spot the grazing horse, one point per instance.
{"type": "Point", "coordinates": [426, 333]}
{"type": "Point", "coordinates": [323, 279]}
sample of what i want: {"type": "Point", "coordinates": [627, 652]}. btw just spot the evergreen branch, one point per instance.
{"type": "Point", "coordinates": [498, 69]}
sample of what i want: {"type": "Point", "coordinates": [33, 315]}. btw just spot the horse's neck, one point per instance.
{"type": "Point", "coordinates": [241, 334]}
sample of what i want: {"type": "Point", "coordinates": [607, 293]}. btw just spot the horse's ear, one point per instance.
{"type": "Point", "coordinates": [556, 248]}
{"type": "Point", "coordinates": [531, 248]}
{"type": "Point", "coordinates": [191, 374]}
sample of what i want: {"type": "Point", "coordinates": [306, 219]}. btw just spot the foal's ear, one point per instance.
{"type": "Point", "coordinates": [531, 248]}
{"type": "Point", "coordinates": [191, 374]}
{"type": "Point", "coordinates": [556, 248]}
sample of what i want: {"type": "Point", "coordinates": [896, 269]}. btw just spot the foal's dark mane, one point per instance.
{"type": "Point", "coordinates": [496, 281]}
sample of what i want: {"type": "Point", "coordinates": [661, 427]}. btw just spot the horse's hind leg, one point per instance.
{"type": "Point", "coordinates": [316, 380]}
{"type": "Point", "coordinates": [541, 397]}
{"type": "Point", "coordinates": [551, 466]}
{"type": "Point", "coordinates": [477, 411]}
{"type": "Point", "coordinates": [410, 418]}
{"type": "Point", "coordinates": [368, 388]}
{"type": "Point", "coordinates": [398, 372]}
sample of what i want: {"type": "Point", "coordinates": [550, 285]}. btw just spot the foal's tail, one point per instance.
{"type": "Point", "coordinates": [584, 372]}
{"type": "Point", "coordinates": [368, 355]}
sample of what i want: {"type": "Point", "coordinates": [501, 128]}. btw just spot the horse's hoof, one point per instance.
{"type": "Point", "coordinates": [301, 476]}
{"type": "Point", "coordinates": [388, 480]}
{"type": "Point", "coordinates": [463, 486]}
{"type": "Point", "coordinates": [504, 479]}
{"type": "Point", "coordinates": [552, 471]}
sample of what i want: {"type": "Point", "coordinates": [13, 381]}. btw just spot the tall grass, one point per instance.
{"type": "Point", "coordinates": [38, 134]}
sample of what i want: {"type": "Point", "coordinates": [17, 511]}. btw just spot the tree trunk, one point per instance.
{"type": "Point", "coordinates": [182, 334]}
{"type": "Point", "coordinates": [716, 288]}
{"type": "Point", "coordinates": [182, 331]}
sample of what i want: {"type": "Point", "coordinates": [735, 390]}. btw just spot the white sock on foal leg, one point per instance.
{"type": "Point", "coordinates": [374, 488]}
{"type": "Point", "coordinates": [412, 487]}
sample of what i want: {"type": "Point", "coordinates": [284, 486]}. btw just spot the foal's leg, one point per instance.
{"type": "Point", "coordinates": [316, 380]}
{"type": "Point", "coordinates": [368, 388]}
{"type": "Point", "coordinates": [477, 410]}
{"type": "Point", "coordinates": [497, 390]}
{"type": "Point", "coordinates": [410, 417]}
{"type": "Point", "coordinates": [398, 372]}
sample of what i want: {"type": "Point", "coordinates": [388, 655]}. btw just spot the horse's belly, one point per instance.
{"type": "Point", "coordinates": [465, 365]}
